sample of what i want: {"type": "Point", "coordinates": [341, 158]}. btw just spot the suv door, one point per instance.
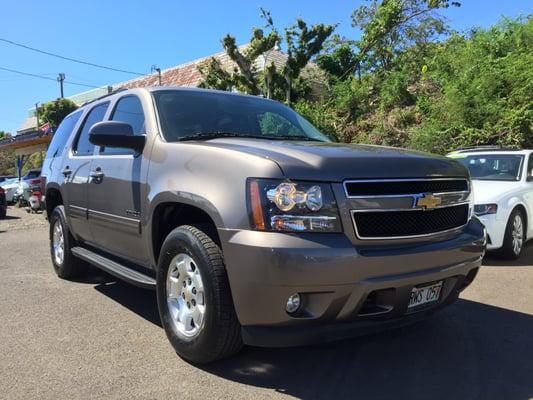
{"type": "Point", "coordinates": [76, 169]}
{"type": "Point", "coordinates": [115, 196]}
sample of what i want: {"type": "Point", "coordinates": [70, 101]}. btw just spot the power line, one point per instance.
{"type": "Point", "coordinates": [47, 78]}
{"type": "Point", "coordinates": [70, 59]}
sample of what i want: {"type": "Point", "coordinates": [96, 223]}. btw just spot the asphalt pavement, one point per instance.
{"type": "Point", "coordinates": [99, 338]}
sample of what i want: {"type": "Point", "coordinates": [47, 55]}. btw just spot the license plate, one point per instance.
{"type": "Point", "coordinates": [425, 294]}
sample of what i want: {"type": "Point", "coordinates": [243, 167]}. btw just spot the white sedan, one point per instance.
{"type": "Point", "coordinates": [502, 183]}
{"type": "Point", "coordinates": [10, 186]}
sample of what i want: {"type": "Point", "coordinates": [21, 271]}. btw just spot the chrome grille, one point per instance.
{"type": "Point", "coordinates": [395, 209]}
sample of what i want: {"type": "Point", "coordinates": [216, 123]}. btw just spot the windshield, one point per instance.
{"type": "Point", "coordinates": [186, 115]}
{"type": "Point", "coordinates": [493, 167]}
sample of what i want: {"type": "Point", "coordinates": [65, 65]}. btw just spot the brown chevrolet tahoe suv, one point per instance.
{"type": "Point", "coordinates": [251, 225]}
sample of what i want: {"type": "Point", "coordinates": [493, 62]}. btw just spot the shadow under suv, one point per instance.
{"type": "Point", "coordinates": [251, 225]}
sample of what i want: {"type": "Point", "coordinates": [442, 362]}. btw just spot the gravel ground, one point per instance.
{"type": "Point", "coordinates": [99, 338]}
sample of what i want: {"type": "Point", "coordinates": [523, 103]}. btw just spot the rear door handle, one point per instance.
{"type": "Point", "coordinates": [97, 175]}
{"type": "Point", "coordinates": [66, 172]}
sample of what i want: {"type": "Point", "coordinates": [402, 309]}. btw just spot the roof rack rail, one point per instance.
{"type": "Point", "coordinates": [105, 95]}
{"type": "Point", "coordinates": [485, 148]}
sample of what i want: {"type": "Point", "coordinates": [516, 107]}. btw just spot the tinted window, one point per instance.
{"type": "Point", "coordinates": [34, 173]}
{"type": "Point", "coordinates": [62, 134]}
{"type": "Point", "coordinates": [83, 147]}
{"type": "Point", "coordinates": [274, 124]}
{"type": "Point", "coordinates": [130, 111]}
{"type": "Point", "coordinates": [185, 114]}
{"type": "Point", "coordinates": [493, 167]}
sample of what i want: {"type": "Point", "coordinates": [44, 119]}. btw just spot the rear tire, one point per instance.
{"type": "Point", "coordinates": [189, 257]}
{"type": "Point", "coordinates": [66, 265]}
{"type": "Point", "coordinates": [514, 239]}
{"type": "Point", "coordinates": [3, 213]}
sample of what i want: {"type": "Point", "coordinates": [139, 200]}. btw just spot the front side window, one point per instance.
{"type": "Point", "coordinates": [493, 167]}
{"type": "Point", "coordinates": [129, 110]}
{"type": "Point", "coordinates": [186, 115]}
{"type": "Point", "coordinates": [83, 147]}
{"type": "Point", "coordinates": [61, 135]}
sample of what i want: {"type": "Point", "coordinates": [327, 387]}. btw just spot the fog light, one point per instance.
{"type": "Point", "coordinates": [293, 303]}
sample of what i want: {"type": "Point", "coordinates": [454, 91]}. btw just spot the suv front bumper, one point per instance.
{"type": "Point", "coordinates": [346, 290]}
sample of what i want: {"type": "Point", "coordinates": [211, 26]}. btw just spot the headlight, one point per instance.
{"type": "Point", "coordinates": [484, 209]}
{"type": "Point", "coordinates": [292, 206]}
{"type": "Point", "coordinates": [470, 200]}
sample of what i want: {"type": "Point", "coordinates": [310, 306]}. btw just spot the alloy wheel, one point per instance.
{"type": "Point", "coordinates": [518, 234]}
{"type": "Point", "coordinates": [186, 295]}
{"type": "Point", "coordinates": [58, 243]}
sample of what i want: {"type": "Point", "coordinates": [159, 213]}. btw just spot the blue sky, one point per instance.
{"type": "Point", "coordinates": [134, 35]}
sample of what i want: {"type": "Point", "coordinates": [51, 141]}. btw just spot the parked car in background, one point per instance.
{"type": "Point", "coordinates": [502, 181]}
{"type": "Point", "coordinates": [10, 186]}
{"type": "Point", "coordinates": [4, 178]}
{"type": "Point", "coordinates": [251, 225]}
{"type": "Point", "coordinates": [29, 182]}
{"type": "Point", "coordinates": [3, 204]}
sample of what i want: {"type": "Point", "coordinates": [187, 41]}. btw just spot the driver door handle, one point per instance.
{"type": "Point", "coordinates": [97, 175]}
{"type": "Point", "coordinates": [66, 171]}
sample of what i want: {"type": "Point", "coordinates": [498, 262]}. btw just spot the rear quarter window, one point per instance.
{"type": "Point", "coordinates": [62, 134]}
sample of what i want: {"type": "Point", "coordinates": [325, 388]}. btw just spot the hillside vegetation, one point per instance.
{"type": "Point", "coordinates": [473, 89]}
{"type": "Point", "coordinates": [408, 81]}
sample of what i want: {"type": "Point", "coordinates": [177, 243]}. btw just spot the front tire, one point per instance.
{"type": "Point", "coordinates": [194, 297]}
{"type": "Point", "coordinates": [66, 265]}
{"type": "Point", "coordinates": [514, 239]}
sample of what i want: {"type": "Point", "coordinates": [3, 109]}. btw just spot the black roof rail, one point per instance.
{"type": "Point", "coordinates": [104, 96]}
{"type": "Point", "coordinates": [485, 148]}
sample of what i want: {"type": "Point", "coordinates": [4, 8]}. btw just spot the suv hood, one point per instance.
{"type": "Point", "coordinates": [335, 162]}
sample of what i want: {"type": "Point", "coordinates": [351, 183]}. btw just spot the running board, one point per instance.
{"type": "Point", "coordinates": [120, 271]}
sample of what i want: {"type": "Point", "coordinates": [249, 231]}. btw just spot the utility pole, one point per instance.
{"type": "Point", "coordinates": [158, 70]}
{"type": "Point", "coordinates": [37, 114]}
{"type": "Point", "coordinates": [60, 79]}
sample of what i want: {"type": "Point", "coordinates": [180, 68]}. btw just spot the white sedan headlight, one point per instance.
{"type": "Point", "coordinates": [485, 209]}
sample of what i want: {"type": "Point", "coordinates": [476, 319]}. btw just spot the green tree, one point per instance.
{"type": "Point", "coordinates": [4, 135]}
{"type": "Point", "coordinates": [391, 26]}
{"type": "Point", "coordinates": [303, 43]}
{"type": "Point", "coordinates": [54, 111]}
{"type": "Point", "coordinates": [244, 77]}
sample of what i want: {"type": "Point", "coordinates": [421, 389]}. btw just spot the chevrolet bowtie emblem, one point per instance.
{"type": "Point", "coordinates": [428, 201]}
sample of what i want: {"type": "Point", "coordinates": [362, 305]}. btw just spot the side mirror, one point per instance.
{"type": "Point", "coordinates": [116, 134]}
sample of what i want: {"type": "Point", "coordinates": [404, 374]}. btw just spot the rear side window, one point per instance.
{"type": "Point", "coordinates": [83, 147]}
{"type": "Point", "coordinates": [62, 134]}
{"type": "Point", "coordinates": [129, 110]}
{"type": "Point", "coordinates": [33, 174]}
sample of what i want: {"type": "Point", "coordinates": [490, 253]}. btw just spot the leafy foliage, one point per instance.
{"type": "Point", "coordinates": [54, 111]}
{"type": "Point", "coordinates": [423, 88]}
{"type": "Point", "coordinates": [303, 44]}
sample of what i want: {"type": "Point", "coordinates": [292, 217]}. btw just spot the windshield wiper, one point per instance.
{"type": "Point", "coordinates": [216, 135]}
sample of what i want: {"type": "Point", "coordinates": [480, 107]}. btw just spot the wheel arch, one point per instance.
{"type": "Point", "coordinates": [53, 198]}
{"type": "Point", "coordinates": [517, 203]}
{"type": "Point", "coordinates": [170, 210]}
